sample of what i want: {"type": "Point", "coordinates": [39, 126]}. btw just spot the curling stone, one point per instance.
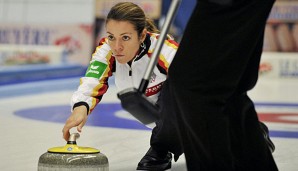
{"type": "Point", "coordinates": [72, 157]}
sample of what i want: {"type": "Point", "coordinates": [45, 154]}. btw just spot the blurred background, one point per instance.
{"type": "Point", "coordinates": [50, 39]}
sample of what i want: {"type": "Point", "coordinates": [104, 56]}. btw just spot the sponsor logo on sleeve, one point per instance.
{"type": "Point", "coordinates": [96, 69]}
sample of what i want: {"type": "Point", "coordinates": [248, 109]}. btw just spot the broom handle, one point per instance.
{"type": "Point", "coordinates": [163, 34]}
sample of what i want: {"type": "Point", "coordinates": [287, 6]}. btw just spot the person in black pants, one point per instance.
{"type": "Point", "coordinates": [205, 94]}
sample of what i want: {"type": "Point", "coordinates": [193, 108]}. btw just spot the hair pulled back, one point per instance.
{"type": "Point", "coordinates": [128, 11]}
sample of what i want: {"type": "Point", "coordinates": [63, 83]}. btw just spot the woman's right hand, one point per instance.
{"type": "Point", "coordinates": [78, 118]}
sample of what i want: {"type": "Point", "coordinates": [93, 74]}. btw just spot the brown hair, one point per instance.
{"type": "Point", "coordinates": [127, 11]}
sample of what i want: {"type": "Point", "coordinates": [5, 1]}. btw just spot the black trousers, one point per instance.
{"type": "Point", "coordinates": [205, 95]}
{"type": "Point", "coordinates": [164, 137]}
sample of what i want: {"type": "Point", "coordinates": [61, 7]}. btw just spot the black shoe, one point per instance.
{"type": "Point", "coordinates": [265, 132]}
{"type": "Point", "coordinates": [155, 161]}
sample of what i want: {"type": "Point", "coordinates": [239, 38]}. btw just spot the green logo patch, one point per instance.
{"type": "Point", "coordinates": [96, 69]}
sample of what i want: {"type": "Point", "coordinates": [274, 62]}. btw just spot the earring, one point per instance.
{"type": "Point", "coordinates": [143, 45]}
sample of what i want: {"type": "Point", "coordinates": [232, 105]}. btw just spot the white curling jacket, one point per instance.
{"type": "Point", "coordinates": [103, 65]}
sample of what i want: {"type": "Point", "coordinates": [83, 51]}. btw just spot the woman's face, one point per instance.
{"type": "Point", "coordinates": [123, 40]}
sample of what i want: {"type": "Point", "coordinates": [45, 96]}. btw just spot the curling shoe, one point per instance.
{"type": "Point", "coordinates": [265, 132]}
{"type": "Point", "coordinates": [155, 161]}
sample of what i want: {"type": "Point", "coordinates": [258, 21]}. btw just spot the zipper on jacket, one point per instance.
{"type": "Point", "coordinates": [129, 65]}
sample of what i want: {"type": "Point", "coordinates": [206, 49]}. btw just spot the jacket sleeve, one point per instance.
{"type": "Point", "coordinates": [167, 54]}
{"type": "Point", "coordinates": [95, 82]}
